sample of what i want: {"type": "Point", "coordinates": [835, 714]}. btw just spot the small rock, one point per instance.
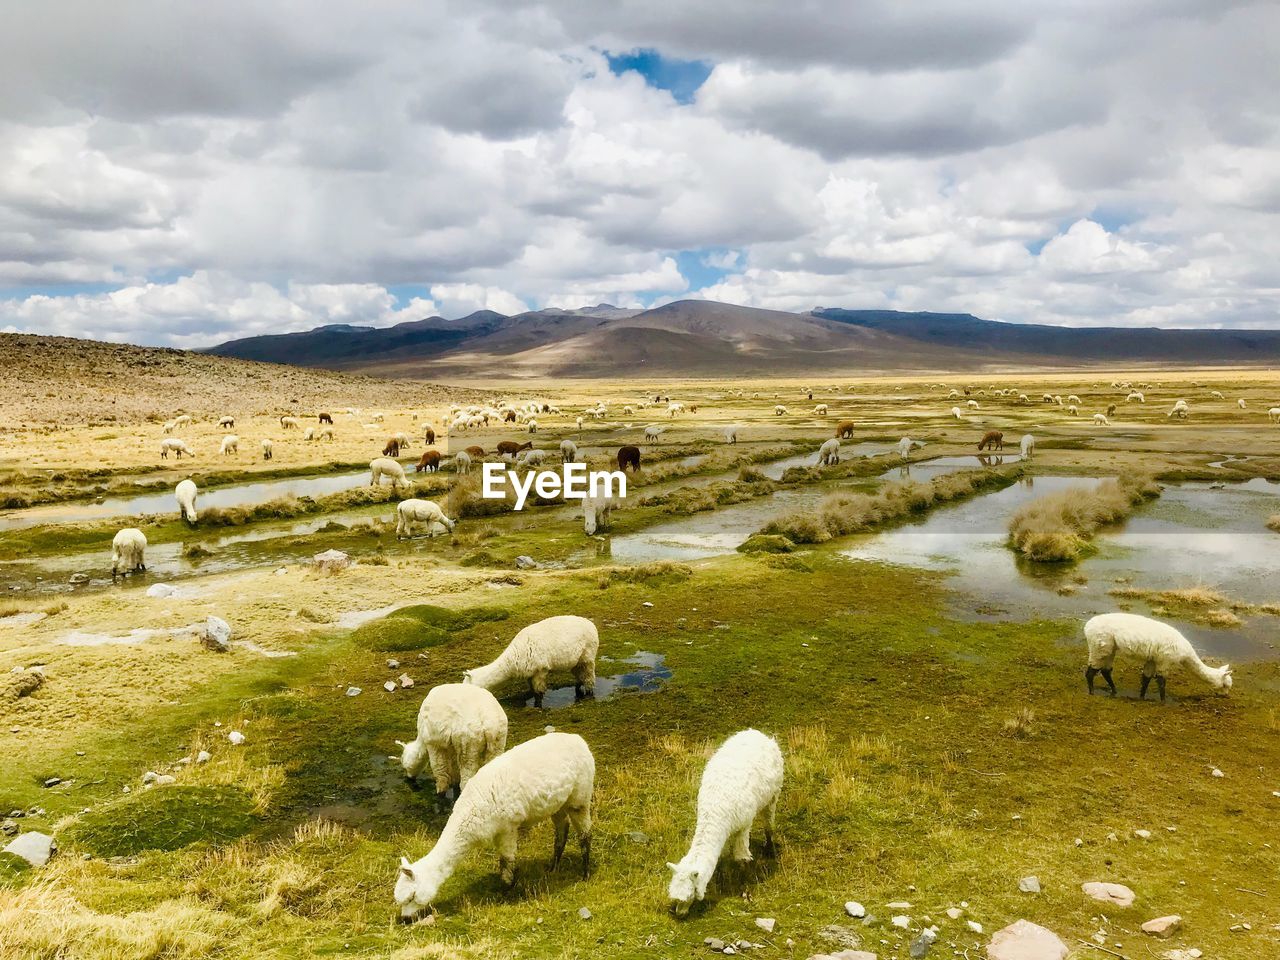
{"type": "Point", "coordinates": [646, 604]}
{"type": "Point", "coordinates": [974, 925]}
{"type": "Point", "coordinates": [1189, 954]}
{"type": "Point", "coordinates": [584, 913]}
{"type": "Point", "coordinates": [1079, 842]}
{"type": "Point", "coordinates": [766, 923]}
{"type": "Point", "coordinates": [161, 590]}
{"type": "Point", "coordinates": [1113, 893]}
{"type": "Point", "coordinates": [920, 946]}
{"type": "Point", "coordinates": [1217, 773]}
{"type": "Point", "coordinates": [729, 950]}
{"type": "Point", "coordinates": [53, 781]}
{"type": "Point", "coordinates": [1024, 940]}
{"type": "Point", "coordinates": [636, 836]}
{"type": "Point", "coordinates": [9, 827]}
{"type": "Point", "coordinates": [164, 780]}
{"type": "Point", "coordinates": [526, 563]}
{"type": "Point", "coordinates": [204, 756]}
{"type": "Point", "coordinates": [79, 578]}
{"type": "Point", "coordinates": [389, 686]}
{"type": "Point", "coordinates": [1142, 834]}
{"type": "Point", "coordinates": [406, 681]}
{"type": "Point", "coordinates": [393, 664]}
{"type": "Point", "coordinates": [854, 909]}
{"type": "Point", "coordinates": [331, 562]}
{"type": "Point", "coordinates": [901, 921]}
{"type": "Point", "coordinates": [216, 635]}
{"type": "Point", "coordinates": [713, 944]}
{"type": "Point", "coordinates": [354, 691]}
{"type": "Point", "coordinates": [34, 847]}
{"type": "Point", "coordinates": [236, 737]}
{"type": "Point", "coordinates": [1163, 927]}
{"type": "Point", "coordinates": [954, 913]}
{"type": "Point", "coordinates": [1029, 884]}
{"type": "Point", "coordinates": [149, 777]}
{"type": "Point", "coordinates": [898, 905]}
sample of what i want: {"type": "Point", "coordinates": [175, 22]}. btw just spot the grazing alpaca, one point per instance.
{"type": "Point", "coordinates": [392, 449]}
{"type": "Point", "coordinates": [1101, 420]}
{"type": "Point", "coordinates": [461, 727]}
{"type": "Point", "coordinates": [185, 494]}
{"type": "Point", "coordinates": [957, 413]}
{"type": "Point", "coordinates": [550, 777]}
{"type": "Point", "coordinates": [325, 418]}
{"type": "Point", "coordinates": [829, 453]}
{"type": "Point", "coordinates": [1111, 410]}
{"type": "Point", "coordinates": [429, 462]}
{"type": "Point", "coordinates": [1241, 404]}
{"type": "Point", "coordinates": [380, 467]}
{"type": "Point", "coordinates": [127, 550]}
{"type": "Point", "coordinates": [462, 462]}
{"type": "Point", "coordinates": [629, 457]}
{"type": "Point", "coordinates": [509, 448]}
{"type": "Point", "coordinates": [1273, 414]}
{"type": "Point", "coordinates": [742, 780]}
{"type": "Point", "coordinates": [991, 440]}
{"type": "Point", "coordinates": [1028, 446]}
{"type": "Point", "coordinates": [411, 513]}
{"type": "Point", "coordinates": [474, 452]}
{"type": "Point", "coordinates": [288, 423]}
{"type": "Point", "coordinates": [227, 422]}
{"type": "Point", "coordinates": [844, 430]}
{"type": "Point", "coordinates": [230, 445]}
{"type": "Point", "coordinates": [267, 449]}
{"type": "Point", "coordinates": [731, 434]}
{"type": "Point", "coordinates": [568, 451]}
{"type": "Point", "coordinates": [565, 642]}
{"type": "Point", "coordinates": [1157, 644]}
{"type": "Point", "coordinates": [429, 436]}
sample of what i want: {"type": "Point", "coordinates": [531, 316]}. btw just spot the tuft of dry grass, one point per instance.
{"type": "Point", "coordinates": [1019, 726]}
{"type": "Point", "coordinates": [1273, 522]}
{"type": "Point", "coordinates": [1058, 527]}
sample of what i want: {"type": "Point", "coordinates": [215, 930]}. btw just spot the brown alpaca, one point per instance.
{"type": "Point", "coordinates": [430, 435]}
{"type": "Point", "coordinates": [509, 417]}
{"type": "Point", "coordinates": [991, 440]}
{"type": "Point", "coordinates": [629, 457]}
{"type": "Point", "coordinates": [475, 453]}
{"type": "Point", "coordinates": [844, 430]}
{"type": "Point", "coordinates": [325, 418]}
{"type": "Point", "coordinates": [509, 448]}
{"type": "Point", "coordinates": [392, 449]}
{"type": "Point", "coordinates": [430, 462]}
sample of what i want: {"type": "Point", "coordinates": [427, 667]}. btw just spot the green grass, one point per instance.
{"type": "Point", "coordinates": [909, 762]}
{"type": "Point", "coordinates": [163, 818]}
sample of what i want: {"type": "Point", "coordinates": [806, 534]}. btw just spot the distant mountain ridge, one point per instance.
{"type": "Point", "coordinates": [707, 338]}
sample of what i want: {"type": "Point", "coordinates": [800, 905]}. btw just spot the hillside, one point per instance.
{"type": "Point", "coordinates": [64, 380]}
{"type": "Point", "coordinates": [705, 338]}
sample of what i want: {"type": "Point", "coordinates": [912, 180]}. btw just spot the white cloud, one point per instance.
{"type": "Point", "coordinates": [1072, 162]}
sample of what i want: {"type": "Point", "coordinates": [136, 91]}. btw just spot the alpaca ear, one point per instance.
{"type": "Point", "coordinates": [401, 744]}
{"type": "Point", "coordinates": [406, 868]}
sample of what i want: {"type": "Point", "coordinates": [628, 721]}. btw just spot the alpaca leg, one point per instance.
{"type": "Point", "coordinates": [1142, 691]}
{"type": "Point", "coordinates": [1106, 675]}
{"type": "Point", "coordinates": [584, 677]}
{"type": "Point", "coordinates": [742, 845]}
{"type": "Point", "coordinates": [538, 684]}
{"type": "Point", "coordinates": [1089, 674]}
{"type": "Point", "coordinates": [1160, 684]}
{"type": "Point", "coordinates": [441, 769]}
{"type": "Point", "coordinates": [506, 844]}
{"type": "Point", "coordinates": [469, 761]}
{"type": "Point", "coordinates": [561, 821]}
{"type": "Point", "coordinates": [580, 817]}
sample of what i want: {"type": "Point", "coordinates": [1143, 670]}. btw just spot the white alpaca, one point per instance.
{"type": "Point", "coordinates": [411, 513]}
{"type": "Point", "coordinates": [1274, 414]}
{"type": "Point", "coordinates": [1046, 398]}
{"type": "Point", "coordinates": [557, 643]}
{"type": "Point", "coordinates": [1023, 398]}
{"type": "Point", "coordinates": [953, 394]}
{"type": "Point", "coordinates": [533, 426]}
{"type": "Point", "coordinates": [267, 449]}
{"type": "Point", "coordinates": [829, 453]}
{"type": "Point", "coordinates": [568, 451]}
{"type": "Point", "coordinates": [230, 445]}
{"type": "Point", "coordinates": [386, 467]}
{"type": "Point", "coordinates": [309, 433]}
{"type": "Point", "coordinates": [731, 434]}
{"type": "Point", "coordinates": [957, 413]}
{"type": "Point", "coordinates": [1073, 410]}
{"type": "Point", "coordinates": [1159, 646]}
{"type": "Point", "coordinates": [1180, 410]}
{"type": "Point", "coordinates": [533, 458]}
{"type": "Point", "coordinates": [182, 420]}
{"type": "Point", "coordinates": [175, 446]}
{"type": "Point", "coordinates": [460, 729]}
{"type": "Point", "coordinates": [185, 494]}
{"type": "Point", "coordinates": [1241, 404]}
{"type": "Point", "coordinates": [742, 780]}
{"type": "Point", "coordinates": [1216, 394]}
{"type": "Point", "coordinates": [779, 410]}
{"type": "Point", "coordinates": [673, 408]}
{"type": "Point", "coordinates": [326, 433]}
{"type": "Point", "coordinates": [972, 404]}
{"type": "Point", "coordinates": [905, 445]}
{"type": "Point", "coordinates": [288, 423]}
{"type": "Point", "coordinates": [462, 462]}
{"type": "Point", "coordinates": [1028, 446]}
{"type": "Point", "coordinates": [127, 550]}
{"type": "Point", "coordinates": [820, 410]}
{"type": "Point", "coordinates": [579, 423]}
{"type": "Point", "coordinates": [1072, 398]}
{"type": "Point", "coordinates": [1135, 395]}
{"type": "Point", "coordinates": [551, 777]}
{"type": "Point", "coordinates": [653, 432]}
{"type": "Point", "coordinates": [169, 427]}
{"type": "Point", "coordinates": [595, 512]}
{"type": "Point", "coordinates": [227, 422]}
{"type": "Point", "coordinates": [1101, 420]}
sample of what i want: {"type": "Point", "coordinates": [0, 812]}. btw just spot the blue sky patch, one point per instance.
{"type": "Point", "coordinates": [680, 78]}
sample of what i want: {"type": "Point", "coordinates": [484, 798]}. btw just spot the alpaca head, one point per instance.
{"type": "Point", "coordinates": [687, 885]}
{"type": "Point", "coordinates": [1224, 677]}
{"type": "Point", "coordinates": [409, 756]}
{"type": "Point", "coordinates": [415, 889]}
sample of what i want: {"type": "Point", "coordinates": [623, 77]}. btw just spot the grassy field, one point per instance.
{"type": "Point", "coordinates": [932, 756]}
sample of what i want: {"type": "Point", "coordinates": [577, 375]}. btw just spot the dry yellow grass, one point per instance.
{"type": "Point", "coordinates": [1059, 526]}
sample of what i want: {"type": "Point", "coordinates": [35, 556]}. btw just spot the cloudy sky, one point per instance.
{"type": "Point", "coordinates": [182, 173]}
